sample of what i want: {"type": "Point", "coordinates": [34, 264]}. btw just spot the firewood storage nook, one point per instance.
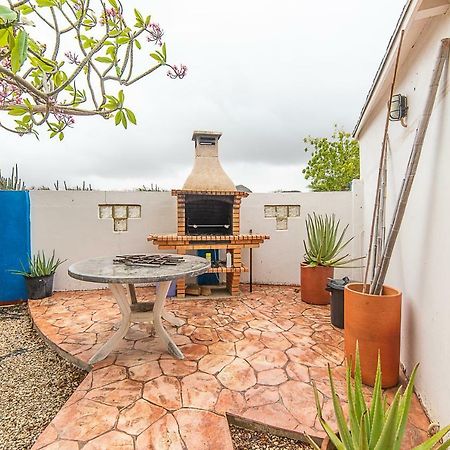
{"type": "Point", "coordinates": [208, 216]}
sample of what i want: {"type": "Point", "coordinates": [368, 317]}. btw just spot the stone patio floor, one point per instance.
{"type": "Point", "coordinates": [254, 356]}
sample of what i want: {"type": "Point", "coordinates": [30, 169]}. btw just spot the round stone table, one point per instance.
{"type": "Point", "coordinates": [121, 279]}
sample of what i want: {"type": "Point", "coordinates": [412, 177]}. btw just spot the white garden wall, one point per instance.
{"type": "Point", "coordinates": [68, 221]}
{"type": "Point", "coordinates": [420, 266]}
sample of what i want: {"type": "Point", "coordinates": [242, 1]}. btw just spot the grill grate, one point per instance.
{"type": "Point", "coordinates": [148, 260]}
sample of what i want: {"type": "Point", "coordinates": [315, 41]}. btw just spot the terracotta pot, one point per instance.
{"type": "Point", "coordinates": [313, 284]}
{"type": "Point", "coordinates": [375, 322]}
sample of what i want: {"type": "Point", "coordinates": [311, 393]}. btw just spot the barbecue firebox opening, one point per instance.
{"type": "Point", "coordinates": [209, 214]}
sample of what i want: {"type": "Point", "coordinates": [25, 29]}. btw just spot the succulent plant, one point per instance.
{"type": "Point", "coordinates": [39, 265]}
{"type": "Point", "coordinates": [378, 427]}
{"type": "Point", "coordinates": [325, 242]}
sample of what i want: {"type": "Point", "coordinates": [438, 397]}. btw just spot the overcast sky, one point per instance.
{"type": "Point", "coordinates": [265, 73]}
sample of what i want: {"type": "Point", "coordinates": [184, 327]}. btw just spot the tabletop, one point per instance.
{"type": "Point", "coordinates": [104, 270]}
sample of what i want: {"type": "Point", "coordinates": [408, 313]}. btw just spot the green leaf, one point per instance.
{"type": "Point", "coordinates": [124, 120]}
{"type": "Point", "coordinates": [164, 51]}
{"type": "Point", "coordinates": [118, 117]}
{"type": "Point", "coordinates": [156, 57]}
{"type": "Point", "coordinates": [17, 111]}
{"type": "Point", "coordinates": [138, 44]}
{"type": "Point", "coordinates": [25, 9]}
{"type": "Point", "coordinates": [104, 59]}
{"type": "Point", "coordinates": [114, 4]}
{"type": "Point", "coordinates": [7, 14]}
{"type": "Point", "coordinates": [376, 408]}
{"type": "Point", "coordinates": [61, 136]}
{"type": "Point", "coordinates": [433, 440]}
{"type": "Point", "coordinates": [19, 52]}
{"type": "Point", "coordinates": [139, 18]}
{"type": "Point", "coordinates": [45, 3]}
{"type": "Point", "coordinates": [131, 116]}
{"type": "Point", "coordinates": [121, 97]}
{"type": "Point", "coordinates": [387, 437]}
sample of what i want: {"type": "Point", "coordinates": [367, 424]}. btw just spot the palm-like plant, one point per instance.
{"type": "Point", "coordinates": [325, 242]}
{"type": "Point", "coordinates": [39, 265]}
{"type": "Point", "coordinates": [378, 427]}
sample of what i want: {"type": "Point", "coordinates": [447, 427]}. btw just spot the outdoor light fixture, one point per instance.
{"type": "Point", "coordinates": [399, 107]}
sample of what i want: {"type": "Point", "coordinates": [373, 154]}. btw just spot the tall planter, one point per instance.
{"type": "Point", "coordinates": [313, 284]}
{"type": "Point", "coordinates": [374, 321]}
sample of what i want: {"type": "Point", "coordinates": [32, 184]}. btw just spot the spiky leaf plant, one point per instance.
{"type": "Point", "coordinates": [376, 427]}
{"type": "Point", "coordinates": [39, 265]}
{"type": "Point", "coordinates": [326, 242]}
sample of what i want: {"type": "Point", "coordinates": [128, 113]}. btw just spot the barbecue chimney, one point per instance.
{"type": "Point", "coordinates": [207, 173]}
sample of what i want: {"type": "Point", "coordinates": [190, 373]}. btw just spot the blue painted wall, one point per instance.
{"type": "Point", "coordinates": [14, 242]}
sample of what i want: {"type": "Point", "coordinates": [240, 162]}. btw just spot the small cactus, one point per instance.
{"type": "Point", "coordinates": [12, 183]}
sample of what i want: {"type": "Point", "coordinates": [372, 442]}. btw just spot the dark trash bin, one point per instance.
{"type": "Point", "coordinates": [336, 287]}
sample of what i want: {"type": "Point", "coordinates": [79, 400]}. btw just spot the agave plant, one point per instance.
{"type": "Point", "coordinates": [40, 265]}
{"type": "Point", "coordinates": [378, 427]}
{"type": "Point", "coordinates": [325, 242]}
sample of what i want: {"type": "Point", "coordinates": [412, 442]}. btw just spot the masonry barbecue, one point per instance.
{"type": "Point", "coordinates": [208, 214]}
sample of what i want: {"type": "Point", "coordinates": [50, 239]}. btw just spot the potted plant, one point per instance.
{"type": "Point", "coordinates": [323, 252]}
{"type": "Point", "coordinates": [39, 275]}
{"type": "Point", "coordinates": [376, 427]}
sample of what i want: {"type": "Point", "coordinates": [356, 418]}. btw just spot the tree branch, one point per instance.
{"type": "Point", "coordinates": [23, 83]}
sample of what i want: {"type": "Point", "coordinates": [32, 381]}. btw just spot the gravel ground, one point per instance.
{"type": "Point", "coordinates": [245, 439]}
{"type": "Point", "coordinates": [35, 381]}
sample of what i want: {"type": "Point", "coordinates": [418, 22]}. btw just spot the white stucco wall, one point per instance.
{"type": "Point", "coordinates": [68, 222]}
{"type": "Point", "coordinates": [420, 266]}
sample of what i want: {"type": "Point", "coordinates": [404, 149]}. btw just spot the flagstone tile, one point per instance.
{"type": "Point", "coordinates": [200, 390]}
{"type": "Point", "coordinates": [298, 398]}
{"type": "Point", "coordinates": [62, 444]}
{"type": "Point", "coordinates": [214, 363]}
{"type": "Point", "coordinates": [297, 372]}
{"type": "Point", "coordinates": [275, 415]}
{"type": "Point", "coordinates": [145, 372]}
{"type": "Point", "coordinates": [268, 359]}
{"type": "Point", "coordinates": [162, 435]}
{"type": "Point", "coordinates": [113, 440]}
{"type": "Point", "coordinates": [272, 377]}
{"type": "Point", "coordinates": [275, 341]}
{"type": "Point", "coordinates": [84, 420]}
{"type": "Point", "coordinates": [248, 347]}
{"type": "Point", "coordinates": [222, 348]}
{"type": "Point", "coordinates": [139, 416]}
{"type": "Point", "coordinates": [107, 375]}
{"type": "Point", "coordinates": [120, 393]}
{"type": "Point", "coordinates": [163, 391]}
{"type": "Point", "coordinates": [194, 351]}
{"type": "Point", "coordinates": [230, 402]}
{"type": "Point", "coordinates": [237, 376]}
{"type": "Point", "coordinates": [177, 367]}
{"type": "Point", "coordinates": [261, 395]}
{"type": "Point", "coordinates": [203, 430]}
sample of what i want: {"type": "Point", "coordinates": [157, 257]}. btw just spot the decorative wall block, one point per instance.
{"type": "Point", "coordinates": [120, 215]}
{"type": "Point", "coordinates": [120, 224]}
{"type": "Point", "coordinates": [281, 214]}
{"type": "Point", "coordinates": [105, 211]}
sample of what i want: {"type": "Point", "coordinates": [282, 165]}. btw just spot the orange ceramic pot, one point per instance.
{"type": "Point", "coordinates": [375, 322]}
{"type": "Point", "coordinates": [313, 284]}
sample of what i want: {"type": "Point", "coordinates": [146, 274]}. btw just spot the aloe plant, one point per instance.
{"type": "Point", "coordinates": [39, 265]}
{"type": "Point", "coordinates": [325, 242]}
{"type": "Point", "coordinates": [378, 427]}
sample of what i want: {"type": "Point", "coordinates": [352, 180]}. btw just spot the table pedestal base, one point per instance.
{"type": "Point", "coordinates": [131, 313]}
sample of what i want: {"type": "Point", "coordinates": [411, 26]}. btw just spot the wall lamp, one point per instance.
{"type": "Point", "coordinates": [399, 108]}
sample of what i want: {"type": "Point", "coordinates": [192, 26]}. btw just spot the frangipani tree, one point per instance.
{"type": "Point", "coordinates": [66, 58]}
